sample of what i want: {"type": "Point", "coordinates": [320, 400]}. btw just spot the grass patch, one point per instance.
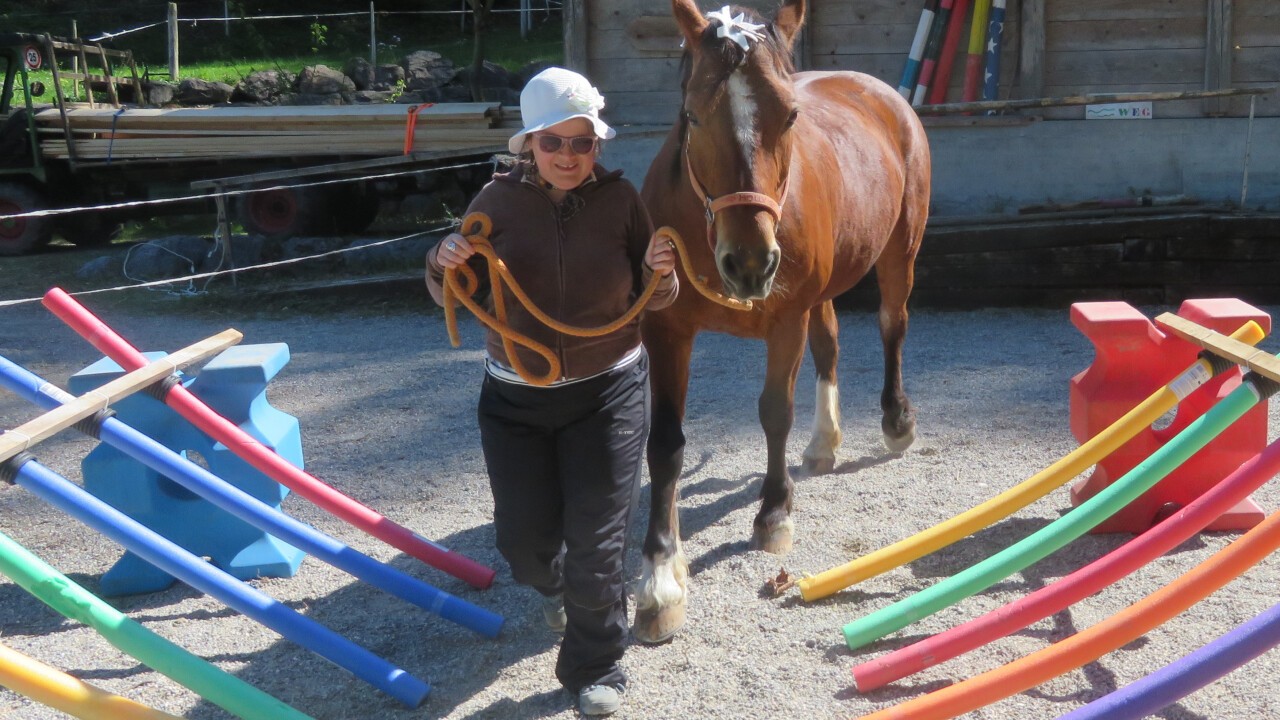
{"type": "Point", "coordinates": [504, 46]}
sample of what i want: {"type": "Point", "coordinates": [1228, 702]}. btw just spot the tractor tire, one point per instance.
{"type": "Point", "coordinates": [22, 235]}
{"type": "Point", "coordinates": [284, 212]}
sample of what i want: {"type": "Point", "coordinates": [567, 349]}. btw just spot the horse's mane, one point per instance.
{"type": "Point", "coordinates": [731, 55]}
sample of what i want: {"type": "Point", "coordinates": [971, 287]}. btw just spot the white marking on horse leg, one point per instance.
{"type": "Point", "coordinates": [821, 452]}
{"type": "Point", "coordinates": [663, 582]}
{"type": "Point", "coordinates": [742, 105]}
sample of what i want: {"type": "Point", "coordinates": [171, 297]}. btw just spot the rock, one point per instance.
{"type": "Point", "coordinates": [492, 75]}
{"type": "Point", "coordinates": [316, 99]}
{"type": "Point", "coordinates": [264, 86]}
{"type": "Point", "coordinates": [427, 70]}
{"type": "Point", "coordinates": [158, 93]}
{"type": "Point", "coordinates": [361, 72]}
{"type": "Point", "coordinates": [194, 91]}
{"type": "Point", "coordinates": [387, 77]}
{"type": "Point", "coordinates": [100, 268]}
{"type": "Point", "coordinates": [369, 97]}
{"type": "Point", "coordinates": [168, 257]}
{"type": "Point", "coordinates": [323, 80]}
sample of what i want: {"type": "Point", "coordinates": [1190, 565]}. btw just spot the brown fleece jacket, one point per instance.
{"type": "Point", "coordinates": [581, 262]}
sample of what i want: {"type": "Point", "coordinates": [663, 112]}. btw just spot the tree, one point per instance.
{"type": "Point", "coordinates": [480, 10]}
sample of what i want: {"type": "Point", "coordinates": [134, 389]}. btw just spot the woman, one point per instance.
{"type": "Point", "coordinates": [564, 460]}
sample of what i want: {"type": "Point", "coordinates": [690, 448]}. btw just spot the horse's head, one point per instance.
{"type": "Point", "coordinates": [738, 110]}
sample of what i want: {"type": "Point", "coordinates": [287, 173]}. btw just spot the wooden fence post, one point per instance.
{"type": "Point", "coordinates": [1031, 60]}
{"type": "Point", "coordinates": [1217, 54]}
{"type": "Point", "coordinates": [574, 15]}
{"type": "Point", "coordinates": [173, 41]}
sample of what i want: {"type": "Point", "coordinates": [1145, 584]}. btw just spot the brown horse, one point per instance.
{"type": "Point", "coordinates": [800, 183]}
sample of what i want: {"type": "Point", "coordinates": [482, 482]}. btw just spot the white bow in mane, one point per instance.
{"type": "Point", "coordinates": [736, 28]}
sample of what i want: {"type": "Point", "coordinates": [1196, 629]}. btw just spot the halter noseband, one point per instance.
{"type": "Point", "coordinates": [715, 205]}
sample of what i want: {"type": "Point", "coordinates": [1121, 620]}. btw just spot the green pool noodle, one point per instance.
{"type": "Point", "coordinates": [1050, 538]}
{"type": "Point", "coordinates": [206, 680]}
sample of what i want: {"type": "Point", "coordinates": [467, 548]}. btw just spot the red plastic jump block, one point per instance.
{"type": "Point", "coordinates": [1133, 359]}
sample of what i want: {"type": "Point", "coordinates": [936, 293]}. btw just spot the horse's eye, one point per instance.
{"type": "Point", "coordinates": [690, 118]}
{"type": "Point", "coordinates": [791, 119]}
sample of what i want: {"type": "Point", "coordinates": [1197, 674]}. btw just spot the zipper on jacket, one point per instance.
{"type": "Point", "coordinates": [560, 310]}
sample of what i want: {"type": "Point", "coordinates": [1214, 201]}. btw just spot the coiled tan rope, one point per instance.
{"type": "Point", "coordinates": [461, 282]}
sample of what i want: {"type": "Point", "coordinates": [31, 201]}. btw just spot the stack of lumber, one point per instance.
{"type": "Point", "coordinates": [209, 133]}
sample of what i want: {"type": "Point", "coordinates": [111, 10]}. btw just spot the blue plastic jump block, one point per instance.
{"type": "Point", "coordinates": [234, 384]}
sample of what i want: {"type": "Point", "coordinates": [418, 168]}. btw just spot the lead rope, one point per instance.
{"type": "Point", "coordinates": [461, 283]}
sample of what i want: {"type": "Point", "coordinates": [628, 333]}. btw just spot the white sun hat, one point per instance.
{"type": "Point", "coordinates": [553, 96]}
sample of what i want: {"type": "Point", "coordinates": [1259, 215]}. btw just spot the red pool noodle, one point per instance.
{"type": "Point", "coordinates": [259, 456]}
{"type": "Point", "coordinates": [1078, 585]}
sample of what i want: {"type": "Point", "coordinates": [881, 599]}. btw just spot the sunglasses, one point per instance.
{"type": "Point", "coordinates": [580, 145]}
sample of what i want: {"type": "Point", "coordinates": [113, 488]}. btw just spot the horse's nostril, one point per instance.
{"type": "Point", "coordinates": [771, 267]}
{"type": "Point", "coordinates": [728, 266]}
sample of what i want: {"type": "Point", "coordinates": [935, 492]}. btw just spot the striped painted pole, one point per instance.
{"type": "Point", "coordinates": [946, 59]}
{"type": "Point", "coordinates": [995, 31]}
{"type": "Point", "coordinates": [912, 69]}
{"type": "Point", "coordinates": [931, 51]}
{"type": "Point", "coordinates": [977, 50]}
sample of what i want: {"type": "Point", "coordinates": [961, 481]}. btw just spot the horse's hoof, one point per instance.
{"type": "Point", "coordinates": [899, 445]}
{"type": "Point", "coordinates": [656, 626]}
{"type": "Point", "coordinates": [776, 541]}
{"type": "Point", "coordinates": [819, 466]}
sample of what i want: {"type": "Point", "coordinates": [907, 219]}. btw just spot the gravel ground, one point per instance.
{"type": "Point", "coordinates": [387, 414]}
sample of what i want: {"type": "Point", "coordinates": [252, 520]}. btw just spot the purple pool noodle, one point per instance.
{"type": "Point", "coordinates": [1188, 674]}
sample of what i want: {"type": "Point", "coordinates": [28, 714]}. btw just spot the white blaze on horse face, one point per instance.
{"type": "Point", "coordinates": [742, 105]}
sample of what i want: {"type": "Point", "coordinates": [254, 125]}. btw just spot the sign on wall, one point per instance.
{"type": "Point", "coordinates": [1118, 111]}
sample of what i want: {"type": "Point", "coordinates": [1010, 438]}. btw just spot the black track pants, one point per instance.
{"type": "Point", "coordinates": [564, 467]}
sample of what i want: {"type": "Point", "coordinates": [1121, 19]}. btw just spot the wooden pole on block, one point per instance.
{"type": "Point", "coordinates": [19, 439]}
{"type": "Point", "coordinates": [1259, 361]}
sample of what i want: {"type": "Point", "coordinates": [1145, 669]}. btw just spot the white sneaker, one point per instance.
{"type": "Point", "coordinates": [553, 612]}
{"type": "Point", "coordinates": [600, 699]}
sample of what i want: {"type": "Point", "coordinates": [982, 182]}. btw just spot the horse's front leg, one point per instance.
{"type": "Point", "coordinates": [820, 455]}
{"type": "Point", "coordinates": [772, 529]}
{"type": "Point", "coordinates": [660, 597]}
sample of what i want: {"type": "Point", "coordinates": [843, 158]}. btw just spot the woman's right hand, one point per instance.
{"type": "Point", "coordinates": [453, 251]}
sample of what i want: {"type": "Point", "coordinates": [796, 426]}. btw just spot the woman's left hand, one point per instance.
{"type": "Point", "coordinates": [661, 255]}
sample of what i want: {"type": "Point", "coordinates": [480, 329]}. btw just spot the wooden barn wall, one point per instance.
{"type": "Point", "coordinates": [631, 49]}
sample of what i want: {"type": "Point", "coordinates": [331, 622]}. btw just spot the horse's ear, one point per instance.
{"type": "Point", "coordinates": [690, 20]}
{"type": "Point", "coordinates": [789, 19]}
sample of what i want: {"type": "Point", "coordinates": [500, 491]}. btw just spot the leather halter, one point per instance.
{"type": "Point", "coordinates": [715, 205]}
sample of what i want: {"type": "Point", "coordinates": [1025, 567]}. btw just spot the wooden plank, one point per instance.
{"type": "Point", "coordinates": [648, 108]}
{"type": "Point", "coordinates": [1255, 32]}
{"type": "Point", "coordinates": [1260, 361]}
{"type": "Point", "coordinates": [868, 12]}
{"type": "Point", "coordinates": [1032, 44]}
{"type": "Point", "coordinates": [635, 75]}
{"type": "Point", "coordinates": [64, 416]}
{"type": "Point", "coordinates": [1257, 65]}
{"type": "Point", "coordinates": [615, 14]}
{"type": "Point", "coordinates": [1256, 9]}
{"type": "Point", "coordinates": [1150, 34]}
{"type": "Point", "coordinates": [1110, 10]}
{"type": "Point", "coordinates": [1217, 53]}
{"type": "Point", "coordinates": [1124, 67]}
{"type": "Point", "coordinates": [863, 39]}
{"type": "Point", "coordinates": [576, 29]}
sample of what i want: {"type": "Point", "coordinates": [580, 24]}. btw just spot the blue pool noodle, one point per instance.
{"type": "Point", "coordinates": [257, 513]}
